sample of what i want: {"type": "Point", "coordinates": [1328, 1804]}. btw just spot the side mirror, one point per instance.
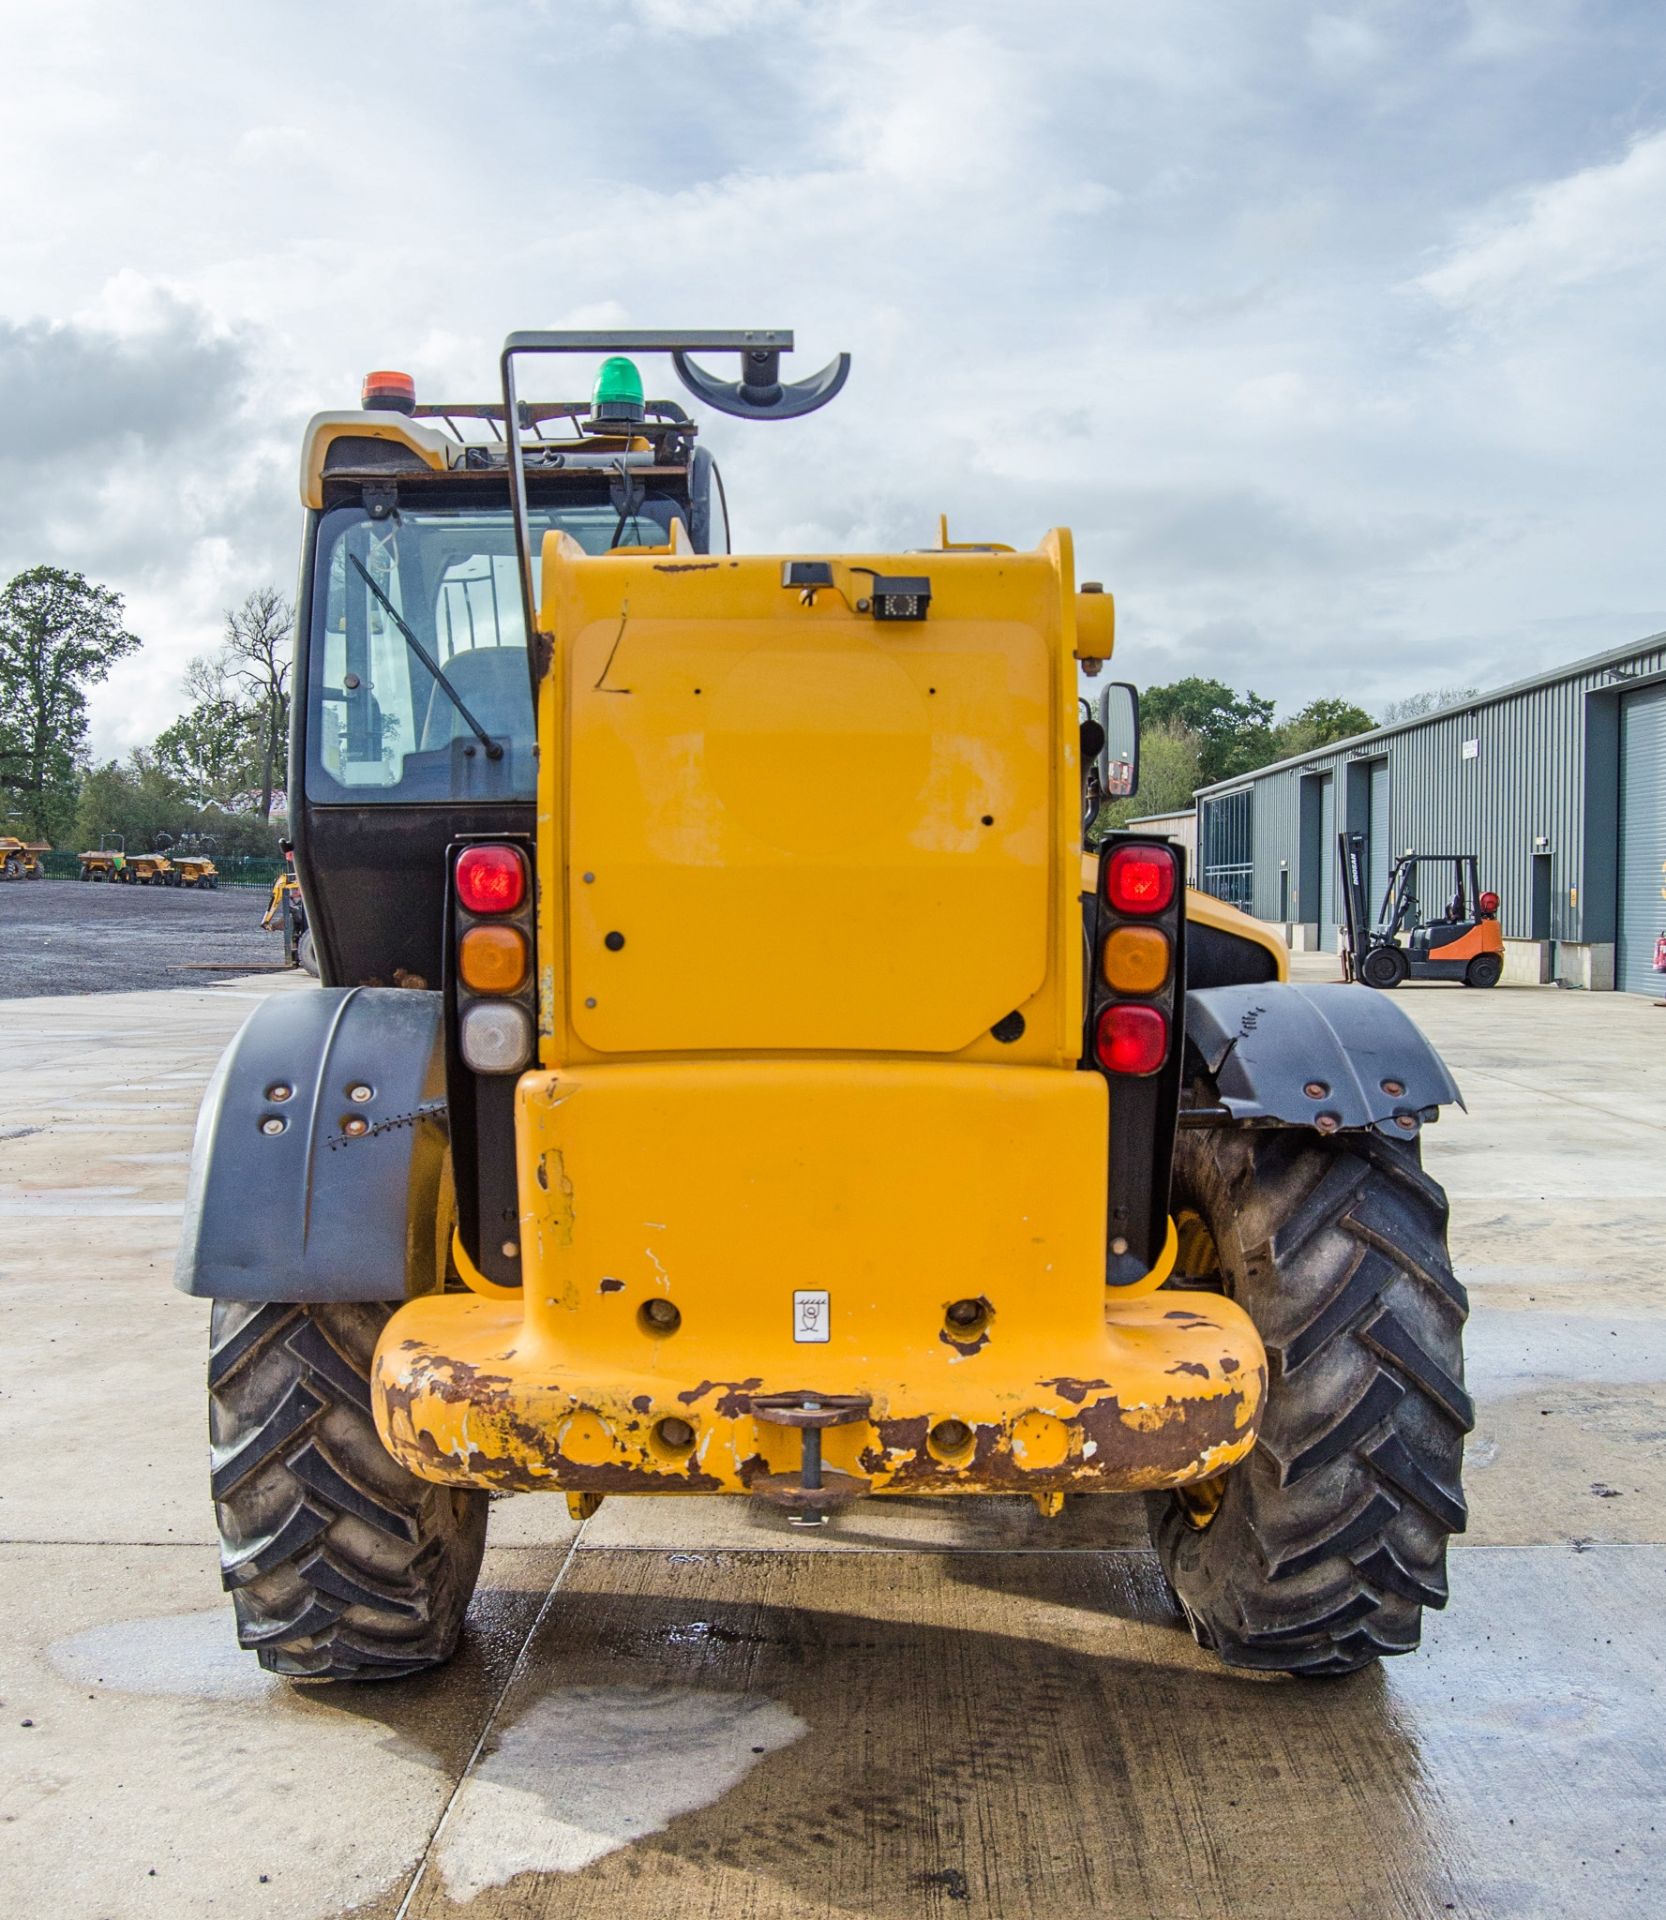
{"type": "Point", "coordinates": [1119, 758]}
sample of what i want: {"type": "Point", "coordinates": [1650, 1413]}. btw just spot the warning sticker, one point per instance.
{"type": "Point", "coordinates": [810, 1316]}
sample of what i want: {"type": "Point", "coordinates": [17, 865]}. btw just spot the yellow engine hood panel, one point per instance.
{"type": "Point", "coordinates": [781, 825]}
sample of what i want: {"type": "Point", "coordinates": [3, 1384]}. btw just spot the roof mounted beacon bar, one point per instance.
{"type": "Point", "coordinates": [760, 394]}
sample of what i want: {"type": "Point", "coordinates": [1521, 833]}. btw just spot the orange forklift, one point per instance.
{"type": "Point", "coordinates": [1462, 942]}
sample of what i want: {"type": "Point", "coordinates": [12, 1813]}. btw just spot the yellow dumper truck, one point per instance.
{"type": "Point", "coordinates": [21, 859]}
{"type": "Point", "coordinates": [732, 1075]}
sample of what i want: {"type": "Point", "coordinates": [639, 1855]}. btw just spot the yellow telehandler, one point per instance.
{"type": "Point", "coordinates": [731, 1075]}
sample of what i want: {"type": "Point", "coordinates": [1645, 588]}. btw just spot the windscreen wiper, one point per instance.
{"type": "Point", "coordinates": [493, 750]}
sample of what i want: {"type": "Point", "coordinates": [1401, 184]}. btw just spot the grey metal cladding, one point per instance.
{"type": "Point", "coordinates": [310, 1210]}
{"type": "Point", "coordinates": [1541, 778]}
{"type": "Point", "coordinates": [1265, 1046]}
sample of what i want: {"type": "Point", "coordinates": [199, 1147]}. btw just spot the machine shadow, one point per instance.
{"type": "Point", "coordinates": [1050, 1741]}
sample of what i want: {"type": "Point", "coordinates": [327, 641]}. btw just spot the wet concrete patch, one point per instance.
{"type": "Point", "coordinates": [176, 1656]}
{"type": "Point", "coordinates": [1037, 1734]}
{"type": "Point", "coordinates": [587, 1770]}
{"type": "Point", "coordinates": [152, 1771]}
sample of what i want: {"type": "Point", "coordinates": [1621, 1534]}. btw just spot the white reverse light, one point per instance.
{"type": "Point", "coordinates": [495, 1037]}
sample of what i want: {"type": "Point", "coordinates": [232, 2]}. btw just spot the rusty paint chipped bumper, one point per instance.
{"type": "Point", "coordinates": [1172, 1395]}
{"type": "Point", "coordinates": [676, 1216]}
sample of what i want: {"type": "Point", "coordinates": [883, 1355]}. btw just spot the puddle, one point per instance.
{"type": "Point", "coordinates": [185, 1656]}
{"type": "Point", "coordinates": [589, 1770]}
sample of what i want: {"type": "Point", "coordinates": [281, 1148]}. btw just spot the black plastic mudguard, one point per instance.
{"type": "Point", "coordinates": [1296, 1054]}
{"type": "Point", "coordinates": [319, 1152]}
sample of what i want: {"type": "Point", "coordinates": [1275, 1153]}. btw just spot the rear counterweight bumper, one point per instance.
{"type": "Point", "coordinates": [925, 1240]}
{"type": "Point", "coordinates": [1172, 1395]}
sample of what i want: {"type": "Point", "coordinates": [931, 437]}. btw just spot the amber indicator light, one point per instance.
{"type": "Point", "coordinates": [1136, 959]}
{"type": "Point", "coordinates": [492, 959]}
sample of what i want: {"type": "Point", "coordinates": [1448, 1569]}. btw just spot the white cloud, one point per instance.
{"type": "Point", "coordinates": [1272, 304]}
{"type": "Point", "coordinates": [1603, 220]}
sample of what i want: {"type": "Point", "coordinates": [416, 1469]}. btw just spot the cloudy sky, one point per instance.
{"type": "Point", "coordinates": [1336, 333]}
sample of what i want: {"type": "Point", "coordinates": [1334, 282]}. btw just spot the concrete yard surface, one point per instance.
{"type": "Point", "coordinates": [687, 1709]}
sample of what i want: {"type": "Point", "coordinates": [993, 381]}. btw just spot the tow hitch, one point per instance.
{"type": "Point", "coordinates": [818, 1490]}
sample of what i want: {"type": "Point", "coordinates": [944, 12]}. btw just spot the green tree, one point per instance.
{"type": "Point", "coordinates": [1233, 734]}
{"type": "Point", "coordinates": [215, 749]}
{"type": "Point", "coordinates": [145, 802]}
{"type": "Point", "coordinates": [59, 635]}
{"type": "Point", "coordinates": [1318, 724]}
{"type": "Point", "coordinates": [139, 800]}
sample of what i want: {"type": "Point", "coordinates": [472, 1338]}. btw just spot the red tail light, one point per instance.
{"type": "Point", "coordinates": [491, 879]}
{"type": "Point", "coordinates": [1140, 879]}
{"type": "Point", "coordinates": [1488, 903]}
{"type": "Point", "coordinates": [1131, 1039]}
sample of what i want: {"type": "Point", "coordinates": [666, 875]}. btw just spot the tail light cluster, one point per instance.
{"type": "Point", "coordinates": [1136, 931]}
{"type": "Point", "coordinates": [1138, 946]}
{"type": "Point", "coordinates": [492, 956]}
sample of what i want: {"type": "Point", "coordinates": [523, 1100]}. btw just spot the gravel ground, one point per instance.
{"type": "Point", "coordinates": [64, 936]}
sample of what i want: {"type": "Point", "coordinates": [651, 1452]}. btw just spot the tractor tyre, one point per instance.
{"type": "Point", "coordinates": [85, 875]}
{"type": "Point", "coordinates": [306, 954]}
{"type": "Point", "coordinates": [1319, 1552]}
{"type": "Point", "coordinates": [12, 869]}
{"type": "Point", "coordinates": [1485, 970]}
{"type": "Point", "coordinates": [1384, 968]}
{"type": "Point", "coordinates": [340, 1564]}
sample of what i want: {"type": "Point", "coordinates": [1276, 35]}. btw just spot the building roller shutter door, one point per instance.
{"type": "Point", "coordinates": [1327, 865]}
{"type": "Point", "coordinates": [1642, 840]}
{"type": "Point", "coordinates": [1376, 860]}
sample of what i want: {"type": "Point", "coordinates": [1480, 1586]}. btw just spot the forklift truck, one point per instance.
{"type": "Point", "coordinates": [1463, 941]}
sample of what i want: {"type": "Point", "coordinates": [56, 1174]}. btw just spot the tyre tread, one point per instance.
{"type": "Point", "coordinates": [1331, 1538]}
{"type": "Point", "coordinates": [340, 1563]}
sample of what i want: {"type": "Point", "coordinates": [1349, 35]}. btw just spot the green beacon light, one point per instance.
{"type": "Point", "coordinates": [617, 399]}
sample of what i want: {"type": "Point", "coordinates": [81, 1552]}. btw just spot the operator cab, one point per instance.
{"type": "Point", "coordinates": [414, 714]}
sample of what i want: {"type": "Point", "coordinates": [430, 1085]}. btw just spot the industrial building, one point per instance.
{"type": "Point", "coordinates": [1557, 784]}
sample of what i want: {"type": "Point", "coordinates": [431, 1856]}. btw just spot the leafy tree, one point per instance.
{"type": "Point", "coordinates": [1414, 706]}
{"type": "Point", "coordinates": [1233, 735]}
{"type": "Point", "coordinates": [215, 749]}
{"type": "Point", "coordinates": [59, 635]}
{"type": "Point", "coordinates": [145, 802]}
{"type": "Point", "coordinates": [140, 800]}
{"type": "Point", "coordinates": [1318, 724]}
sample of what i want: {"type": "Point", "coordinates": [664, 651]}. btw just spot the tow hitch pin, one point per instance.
{"type": "Point", "coordinates": [810, 1469]}
{"type": "Point", "coordinates": [816, 1490]}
